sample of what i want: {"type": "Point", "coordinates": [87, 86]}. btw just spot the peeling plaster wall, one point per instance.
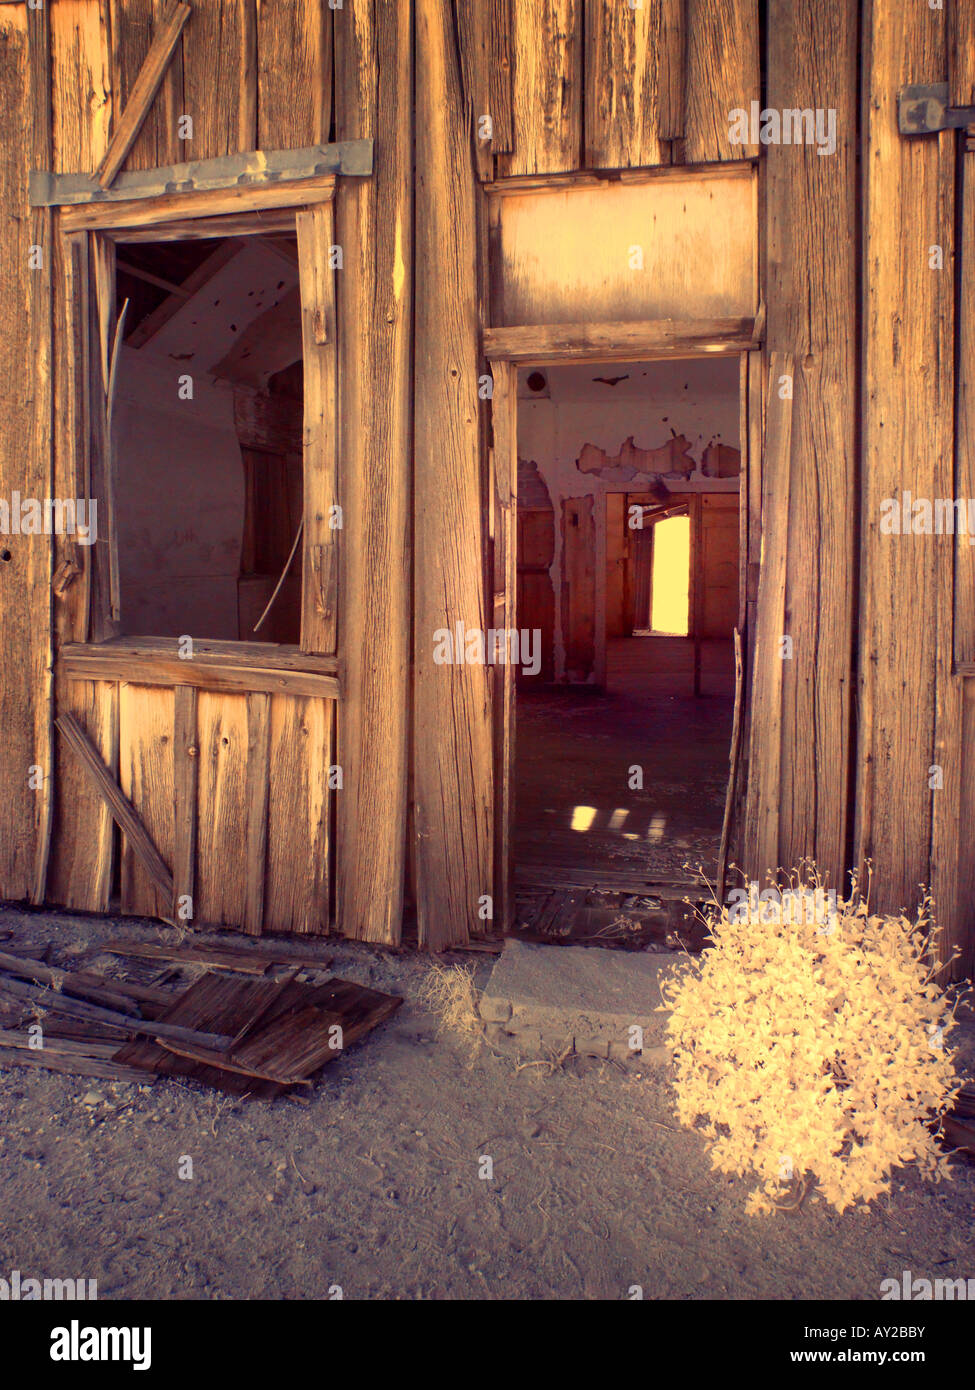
{"type": "Point", "coordinates": [650, 403]}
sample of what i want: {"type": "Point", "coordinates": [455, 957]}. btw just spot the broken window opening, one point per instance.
{"type": "Point", "coordinates": [207, 432]}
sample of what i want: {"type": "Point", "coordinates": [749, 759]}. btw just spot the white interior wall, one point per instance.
{"type": "Point", "coordinates": [180, 476]}
{"type": "Point", "coordinates": [652, 402]}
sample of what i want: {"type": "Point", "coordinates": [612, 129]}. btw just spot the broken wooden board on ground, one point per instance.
{"type": "Point", "coordinates": [247, 960]}
{"type": "Point", "coordinates": [291, 1041]}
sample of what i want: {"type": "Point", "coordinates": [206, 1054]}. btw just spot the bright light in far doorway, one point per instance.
{"type": "Point", "coordinates": [671, 575]}
{"type": "Point", "coordinates": [658, 825]}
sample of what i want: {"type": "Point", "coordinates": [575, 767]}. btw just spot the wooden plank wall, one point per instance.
{"type": "Point", "coordinates": [452, 767]}
{"type": "Point", "coordinates": [601, 84]}
{"type": "Point", "coordinates": [375, 300]}
{"type": "Point", "coordinates": [810, 287]}
{"type": "Point", "coordinates": [961, 78]}
{"type": "Point", "coordinates": [909, 704]}
{"type": "Point", "coordinates": [25, 561]}
{"type": "Point", "coordinates": [234, 789]}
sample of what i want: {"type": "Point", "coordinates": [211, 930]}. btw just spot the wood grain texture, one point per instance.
{"type": "Point", "coordinates": [217, 206]}
{"type": "Point", "coordinates": [294, 73]}
{"type": "Point", "coordinates": [298, 870]}
{"type": "Point", "coordinates": [222, 836]}
{"type": "Point", "coordinates": [499, 78]}
{"type": "Point", "coordinates": [133, 24]}
{"type": "Point", "coordinates": [764, 777]}
{"type": "Point", "coordinates": [672, 78]}
{"type": "Point", "coordinates": [258, 778]}
{"type": "Point", "coordinates": [546, 66]}
{"type": "Point", "coordinates": [146, 776]}
{"type": "Point", "coordinates": [681, 246]}
{"type": "Point", "coordinates": [81, 83]}
{"type": "Point", "coordinates": [39, 650]}
{"type": "Point", "coordinates": [80, 873]}
{"type": "Point", "coordinates": [132, 110]}
{"type": "Point", "coordinates": [25, 566]}
{"type": "Point", "coordinates": [452, 716]}
{"type": "Point", "coordinates": [964, 596]}
{"type": "Point", "coordinates": [907, 356]}
{"type": "Point", "coordinates": [544, 343]}
{"type": "Point", "coordinates": [723, 75]}
{"type": "Point", "coordinates": [961, 53]}
{"type": "Point", "coordinates": [220, 78]}
{"type": "Point", "coordinates": [504, 479]}
{"type": "Point", "coordinates": [624, 51]}
{"type": "Point", "coordinates": [186, 776]}
{"type": "Point", "coordinates": [321, 537]}
{"type": "Point", "coordinates": [811, 205]}
{"type": "Point", "coordinates": [373, 43]}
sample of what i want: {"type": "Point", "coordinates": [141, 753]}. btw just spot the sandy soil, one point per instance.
{"type": "Point", "coordinates": [375, 1185]}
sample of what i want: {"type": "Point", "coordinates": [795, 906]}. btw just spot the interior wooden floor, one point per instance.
{"type": "Point", "coordinates": [578, 821]}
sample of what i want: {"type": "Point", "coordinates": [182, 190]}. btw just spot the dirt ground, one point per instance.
{"type": "Point", "coordinates": [375, 1186]}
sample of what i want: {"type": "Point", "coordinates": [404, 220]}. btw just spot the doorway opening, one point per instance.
{"type": "Point", "coordinates": [629, 488]}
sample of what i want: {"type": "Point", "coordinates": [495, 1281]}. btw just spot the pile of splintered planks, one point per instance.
{"type": "Point", "coordinates": [243, 1026]}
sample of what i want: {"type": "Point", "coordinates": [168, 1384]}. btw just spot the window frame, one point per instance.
{"type": "Point", "coordinates": [88, 235]}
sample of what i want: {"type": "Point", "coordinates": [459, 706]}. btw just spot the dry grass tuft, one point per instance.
{"type": "Point", "coordinates": [450, 993]}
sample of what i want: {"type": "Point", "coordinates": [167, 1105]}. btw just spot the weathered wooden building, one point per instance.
{"type": "Point", "coordinates": [373, 214]}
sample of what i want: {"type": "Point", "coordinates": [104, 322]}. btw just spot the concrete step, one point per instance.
{"type": "Point", "coordinates": [542, 1000]}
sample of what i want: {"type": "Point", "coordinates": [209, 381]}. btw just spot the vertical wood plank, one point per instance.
{"type": "Point", "coordinates": [622, 100]}
{"type": "Point", "coordinates": [473, 28]}
{"type": "Point", "coordinates": [504, 422]}
{"type": "Point", "coordinates": [811, 203]}
{"type": "Point", "coordinates": [500, 76]}
{"type": "Point", "coordinates": [452, 724]}
{"type": "Point", "coordinates": [222, 836]}
{"type": "Point", "coordinates": [546, 52]}
{"type": "Point", "coordinates": [37, 656]}
{"type": "Point", "coordinates": [220, 77]}
{"type": "Point", "coordinates": [147, 777]}
{"type": "Point", "coordinates": [319, 590]}
{"type": "Point", "coordinates": [294, 73]}
{"type": "Point", "coordinates": [186, 777]}
{"type": "Point", "coordinates": [25, 460]}
{"type": "Point", "coordinates": [297, 879]}
{"type": "Point", "coordinates": [258, 777]}
{"type": "Point", "coordinates": [133, 24]}
{"type": "Point", "coordinates": [672, 80]}
{"type": "Point", "coordinates": [904, 710]}
{"type": "Point", "coordinates": [723, 75]}
{"type": "Point", "coordinates": [81, 83]}
{"type": "Point", "coordinates": [80, 873]}
{"type": "Point", "coordinates": [375, 230]}
{"type": "Point", "coordinates": [764, 777]}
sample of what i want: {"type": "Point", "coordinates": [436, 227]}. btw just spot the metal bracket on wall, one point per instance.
{"type": "Point", "coordinates": [254, 169]}
{"type": "Point", "coordinates": [923, 110]}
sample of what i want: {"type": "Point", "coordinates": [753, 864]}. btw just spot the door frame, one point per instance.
{"type": "Point", "coordinates": [507, 349]}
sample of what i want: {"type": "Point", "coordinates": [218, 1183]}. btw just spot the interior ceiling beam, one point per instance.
{"type": "Point", "coordinates": [151, 279]}
{"type": "Point", "coordinates": [255, 169]}
{"type": "Point", "coordinates": [191, 286]}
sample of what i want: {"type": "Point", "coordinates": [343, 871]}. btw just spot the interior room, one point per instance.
{"type": "Point", "coordinates": [628, 545]}
{"type": "Point", "coordinates": [207, 434]}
